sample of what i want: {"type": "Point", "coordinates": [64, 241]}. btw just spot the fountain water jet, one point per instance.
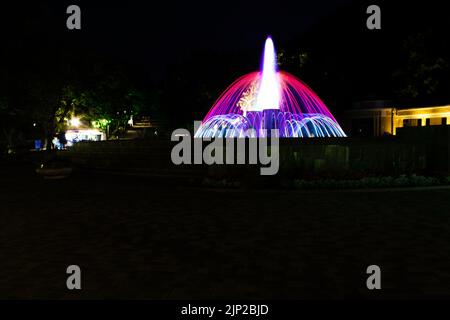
{"type": "Point", "coordinates": [269, 89]}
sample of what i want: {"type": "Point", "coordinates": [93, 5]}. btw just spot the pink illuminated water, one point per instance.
{"type": "Point", "coordinates": [284, 102]}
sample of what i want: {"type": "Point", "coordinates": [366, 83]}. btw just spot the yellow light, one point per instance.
{"type": "Point", "coordinates": [75, 122]}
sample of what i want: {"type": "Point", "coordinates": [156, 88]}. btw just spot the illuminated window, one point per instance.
{"type": "Point", "coordinates": [435, 121]}
{"type": "Point", "coordinates": [412, 122]}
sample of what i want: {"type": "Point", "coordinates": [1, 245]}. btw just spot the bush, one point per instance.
{"type": "Point", "coordinates": [223, 183]}
{"type": "Point", "coordinates": [370, 182]}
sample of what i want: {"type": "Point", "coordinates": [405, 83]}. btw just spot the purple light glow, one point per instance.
{"type": "Point", "coordinates": [261, 101]}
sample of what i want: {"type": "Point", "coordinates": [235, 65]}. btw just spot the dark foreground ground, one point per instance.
{"type": "Point", "coordinates": [138, 238]}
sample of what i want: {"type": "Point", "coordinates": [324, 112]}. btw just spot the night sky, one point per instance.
{"type": "Point", "coordinates": [154, 34]}
{"type": "Point", "coordinates": [210, 43]}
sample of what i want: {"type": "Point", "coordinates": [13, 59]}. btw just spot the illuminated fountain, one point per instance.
{"type": "Point", "coordinates": [260, 101]}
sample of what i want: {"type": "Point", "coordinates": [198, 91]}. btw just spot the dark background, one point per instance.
{"type": "Point", "coordinates": [145, 238]}
{"type": "Point", "coordinates": [182, 55]}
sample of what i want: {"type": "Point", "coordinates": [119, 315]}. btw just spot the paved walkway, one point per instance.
{"type": "Point", "coordinates": [134, 238]}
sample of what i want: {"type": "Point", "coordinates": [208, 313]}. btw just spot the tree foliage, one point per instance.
{"type": "Point", "coordinates": [424, 69]}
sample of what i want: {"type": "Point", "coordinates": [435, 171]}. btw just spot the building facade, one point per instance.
{"type": "Point", "coordinates": [378, 118]}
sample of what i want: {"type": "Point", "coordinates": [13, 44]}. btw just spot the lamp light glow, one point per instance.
{"type": "Point", "coordinates": [75, 122]}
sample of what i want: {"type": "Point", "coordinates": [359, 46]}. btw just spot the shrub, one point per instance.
{"type": "Point", "coordinates": [370, 182]}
